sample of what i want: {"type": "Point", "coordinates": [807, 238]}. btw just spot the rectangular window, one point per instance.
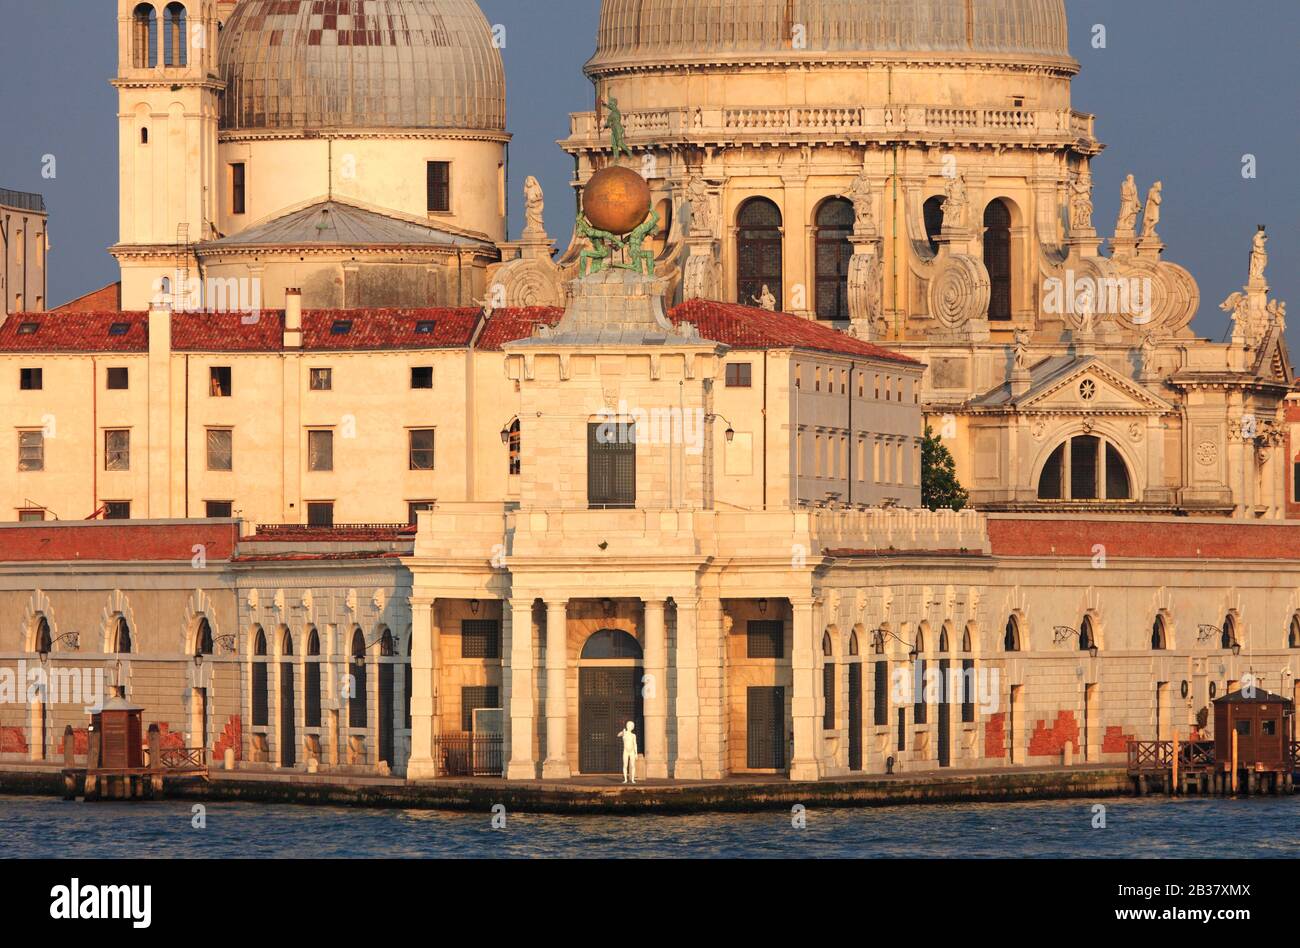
{"type": "Point", "coordinates": [422, 376]}
{"type": "Point", "coordinates": [320, 450]}
{"type": "Point", "coordinates": [320, 514]}
{"type": "Point", "coordinates": [1243, 728]}
{"type": "Point", "coordinates": [220, 449]}
{"type": "Point", "coordinates": [1268, 728]}
{"type": "Point", "coordinates": [828, 689]}
{"type": "Point", "coordinates": [611, 465]}
{"type": "Point", "coordinates": [219, 509]}
{"type": "Point", "coordinates": [439, 187]}
{"type": "Point", "coordinates": [739, 375]}
{"type": "Point", "coordinates": [967, 690]}
{"type": "Point", "coordinates": [473, 697]}
{"type": "Point", "coordinates": [117, 510]}
{"type": "Point", "coordinates": [219, 381]}
{"type": "Point", "coordinates": [882, 694]}
{"type": "Point", "coordinates": [421, 449]}
{"type": "Point", "coordinates": [31, 515]}
{"type": "Point", "coordinates": [237, 187]}
{"type": "Point", "coordinates": [765, 638]}
{"type": "Point", "coordinates": [480, 638]}
{"type": "Point", "coordinates": [31, 451]}
{"type": "Point", "coordinates": [920, 710]}
{"type": "Point", "coordinates": [413, 507]}
{"type": "Point", "coordinates": [117, 450]}
{"type": "Point", "coordinates": [322, 380]}
{"type": "Point", "coordinates": [118, 378]}
{"type": "Point", "coordinates": [30, 380]}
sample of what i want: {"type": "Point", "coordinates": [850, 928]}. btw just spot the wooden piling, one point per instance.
{"type": "Point", "coordinates": [1235, 736]}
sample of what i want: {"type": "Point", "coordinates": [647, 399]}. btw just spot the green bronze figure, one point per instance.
{"type": "Point", "coordinates": [638, 258]}
{"type": "Point", "coordinates": [600, 251]}
{"type": "Point", "coordinates": [614, 122]}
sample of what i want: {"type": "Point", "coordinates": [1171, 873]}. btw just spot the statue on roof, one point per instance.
{"type": "Point", "coordinates": [1259, 255]}
{"type": "Point", "coordinates": [1081, 202]}
{"type": "Point", "coordinates": [697, 193]}
{"type": "Point", "coordinates": [1129, 207]}
{"type": "Point", "coordinates": [639, 259]}
{"type": "Point", "coordinates": [614, 122]}
{"type": "Point", "coordinates": [534, 205]}
{"type": "Point", "coordinates": [955, 203]}
{"type": "Point", "coordinates": [1151, 217]}
{"type": "Point", "coordinates": [603, 244]}
{"type": "Point", "coordinates": [860, 193]}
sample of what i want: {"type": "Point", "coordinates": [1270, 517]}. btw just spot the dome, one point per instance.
{"type": "Point", "coordinates": [657, 31]}
{"type": "Point", "coordinates": [302, 65]}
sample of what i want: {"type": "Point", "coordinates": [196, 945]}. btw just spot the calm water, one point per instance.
{"type": "Point", "coordinates": [1151, 828]}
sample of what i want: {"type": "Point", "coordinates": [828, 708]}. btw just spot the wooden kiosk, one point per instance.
{"type": "Point", "coordinates": [1254, 746]}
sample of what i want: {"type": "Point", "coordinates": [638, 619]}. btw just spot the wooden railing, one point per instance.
{"type": "Point", "coordinates": [184, 759]}
{"type": "Point", "coordinates": [1158, 756]}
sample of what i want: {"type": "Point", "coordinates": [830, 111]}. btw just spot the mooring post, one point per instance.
{"type": "Point", "coordinates": [1174, 763]}
{"type": "Point", "coordinates": [1234, 760]}
{"type": "Point", "coordinates": [92, 763]}
{"type": "Point", "coordinates": [155, 760]}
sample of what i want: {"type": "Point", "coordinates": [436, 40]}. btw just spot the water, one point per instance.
{"type": "Point", "coordinates": [1148, 828]}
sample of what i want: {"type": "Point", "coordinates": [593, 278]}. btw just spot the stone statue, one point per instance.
{"type": "Point", "coordinates": [629, 752]}
{"type": "Point", "coordinates": [955, 203]}
{"type": "Point", "coordinates": [766, 300]}
{"type": "Point", "coordinates": [638, 258]}
{"type": "Point", "coordinates": [1129, 206]}
{"type": "Point", "coordinates": [860, 192]}
{"type": "Point", "coordinates": [1081, 202]}
{"type": "Point", "coordinates": [1021, 348]}
{"type": "Point", "coordinates": [1238, 305]}
{"type": "Point", "coordinates": [1277, 314]}
{"type": "Point", "coordinates": [1146, 351]}
{"type": "Point", "coordinates": [614, 122]}
{"type": "Point", "coordinates": [1259, 255]}
{"type": "Point", "coordinates": [1151, 217]}
{"type": "Point", "coordinates": [595, 258]}
{"type": "Point", "coordinates": [697, 192]}
{"type": "Point", "coordinates": [534, 204]}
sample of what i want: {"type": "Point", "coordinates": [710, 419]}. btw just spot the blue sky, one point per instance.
{"type": "Point", "coordinates": [1183, 90]}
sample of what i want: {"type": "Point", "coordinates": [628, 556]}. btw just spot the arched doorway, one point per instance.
{"type": "Point", "coordinates": [997, 258]}
{"type": "Point", "coordinates": [833, 253]}
{"type": "Point", "coordinates": [855, 703]}
{"type": "Point", "coordinates": [387, 702]}
{"type": "Point", "coordinates": [311, 682]}
{"type": "Point", "coordinates": [609, 695]}
{"type": "Point", "coordinates": [288, 736]}
{"type": "Point", "coordinates": [758, 251]}
{"type": "Point", "coordinates": [203, 646]}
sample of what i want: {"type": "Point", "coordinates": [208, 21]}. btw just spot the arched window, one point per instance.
{"type": "Point", "coordinates": [357, 700]}
{"type": "Point", "coordinates": [920, 642]}
{"type": "Point", "coordinates": [1085, 467]}
{"type": "Point", "coordinates": [1229, 638]}
{"type": "Point", "coordinates": [261, 681]}
{"type": "Point", "coordinates": [286, 643]}
{"type": "Point", "coordinates": [853, 642]}
{"type": "Point", "coordinates": [311, 682]}
{"type": "Point", "coordinates": [387, 646]}
{"type": "Point", "coordinates": [833, 252]}
{"type": "Point", "coordinates": [965, 639]}
{"type": "Point", "coordinates": [513, 441]}
{"type": "Point", "coordinates": [144, 136]}
{"type": "Point", "coordinates": [44, 642]}
{"type": "Point", "coordinates": [997, 258]}
{"type": "Point", "coordinates": [933, 212]}
{"type": "Point", "coordinates": [827, 649]}
{"type": "Point", "coordinates": [1011, 637]}
{"type": "Point", "coordinates": [144, 37]}
{"type": "Point", "coordinates": [828, 683]}
{"type": "Point", "coordinates": [1293, 637]}
{"type": "Point", "coordinates": [1158, 637]}
{"type": "Point", "coordinates": [943, 640]}
{"type": "Point", "coordinates": [611, 643]}
{"type": "Point", "coordinates": [203, 638]}
{"type": "Point", "coordinates": [121, 637]}
{"type": "Point", "coordinates": [1087, 638]}
{"type": "Point", "coordinates": [758, 251]}
{"type": "Point", "coordinates": [175, 45]}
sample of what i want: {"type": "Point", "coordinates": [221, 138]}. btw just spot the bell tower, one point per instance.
{"type": "Point", "coordinates": [169, 91]}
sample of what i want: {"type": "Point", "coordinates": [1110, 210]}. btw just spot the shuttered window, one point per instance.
{"type": "Point", "coordinates": [611, 465]}
{"type": "Point", "coordinates": [882, 694]}
{"type": "Point", "coordinates": [480, 638]}
{"type": "Point", "coordinates": [967, 690]}
{"type": "Point", "coordinates": [765, 638]}
{"type": "Point", "coordinates": [31, 451]}
{"type": "Point", "coordinates": [828, 686]}
{"type": "Point", "coordinates": [439, 187]}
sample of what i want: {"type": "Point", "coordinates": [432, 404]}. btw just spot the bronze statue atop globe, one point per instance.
{"type": "Point", "coordinates": [616, 200]}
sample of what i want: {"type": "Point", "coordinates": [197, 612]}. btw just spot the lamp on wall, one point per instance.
{"type": "Point", "coordinates": [608, 605]}
{"type": "Point", "coordinates": [730, 433]}
{"type": "Point", "coordinates": [762, 607]}
{"type": "Point", "coordinates": [473, 607]}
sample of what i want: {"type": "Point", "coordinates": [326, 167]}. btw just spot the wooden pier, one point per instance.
{"type": "Point", "coordinates": [118, 765]}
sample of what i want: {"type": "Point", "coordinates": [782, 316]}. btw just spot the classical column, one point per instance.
{"type": "Point", "coordinates": [656, 696]}
{"type": "Point", "coordinates": [556, 765]}
{"type": "Point", "coordinates": [803, 705]}
{"type": "Point", "coordinates": [424, 689]}
{"type": "Point", "coordinates": [687, 707]}
{"type": "Point", "coordinates": [519, 618]}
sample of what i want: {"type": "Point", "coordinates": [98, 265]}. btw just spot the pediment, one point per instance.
{"type": "Point", "coordinates": [1090, 385]}
{"type": "Point", "coordinates": [1274, 362]}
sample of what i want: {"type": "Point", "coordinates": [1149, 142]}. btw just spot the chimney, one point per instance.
{"type": "Point", "coordinates": [293, 319]}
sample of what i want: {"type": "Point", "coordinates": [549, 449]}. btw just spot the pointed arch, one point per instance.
{"type": "Point", "coordinates": [121, 643]}
{"type": "Point", "coordinates": [203, 644]}
{"type": "Point", "coordinates": [1088, 634]}
{"type": "Point", "coordinates": [42, 640]}
{"type": "Point", "coordinates": [1011, 641]}
{"type": "Point", "coordinates": [1159, 634]}
{"type": "Point", "coordinates": [1293, 633]}
{"type": "Point", "coordinates": [357, 716]}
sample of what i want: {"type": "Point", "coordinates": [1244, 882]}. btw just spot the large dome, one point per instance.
{"type": "Point", "coordinates": [306, 65]}
{"type": "Point", "coordinates": [682, 31]}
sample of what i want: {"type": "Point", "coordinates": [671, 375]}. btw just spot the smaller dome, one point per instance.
{"type": "Point", "coordinates": [381, 64]}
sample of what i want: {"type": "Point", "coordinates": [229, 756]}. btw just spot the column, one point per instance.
{"type": "Point", "coordinates": [556, 765]}
{"type": "Point", "coordinates": [688, 694]}
{"type": "Point", "coordinates": [519, 619]}
{"type": "Point", "coordinates": [803, 704]}
{"type": "Point", "coordinates": [424, 690]}
{"type": "Point", "coordinates": [656, 696]}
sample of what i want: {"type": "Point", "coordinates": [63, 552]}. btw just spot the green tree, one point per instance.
{"type": "Point", "coordinates": [939, 484]}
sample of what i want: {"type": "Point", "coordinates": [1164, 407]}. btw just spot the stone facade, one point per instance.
{"type": "Point", "coordinates": [24, 243]}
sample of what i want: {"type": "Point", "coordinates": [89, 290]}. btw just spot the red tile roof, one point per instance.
{"type": "Point", "coordinates": [105, 299]}
{"type": "Point", "coordinates": [74, 332]}
{"type": "Point", "coordinates": [227, 332]}
{"type": "Point", "coordinates": [748, 327]}
{"type": "Point", "coordinates": [389, 328]}
{"type": "Point", "coordinates": [112, 541]}
{"type": "Point", "coordinates": [508, 325]}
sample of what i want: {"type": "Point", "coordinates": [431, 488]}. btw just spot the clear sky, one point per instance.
{"type": "Point", "coordinates": [1183, 90]}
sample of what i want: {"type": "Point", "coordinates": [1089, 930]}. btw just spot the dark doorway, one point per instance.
{"type": "Point", "coordinates": [765, 746]}
{"type": "Point", "coordinates": [387, 698]}
{"type": "Point", "coordinates": [288, 739]}
{"type": "Point", "coordinates": [945, 719]}
{"type": "Point", "coordinates": [608, 699]}
{"type": "Point", "coordinates": [834, 225]}
{"type": "Point", "coordinates": [997, 258]}
{"type": "Point", "coordinates": [758, 252]}
{"type": "Point", "coordinates": [855, 716]}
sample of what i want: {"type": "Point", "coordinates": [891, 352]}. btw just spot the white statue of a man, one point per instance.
{"type": "Point", "coordinates": [1259, 255]}
{"type": "Point", "coordinates": [1129, 206]}
{"type": "Point", "coordinates": [767, 300]}
{"type": "Point", "coordinates": [629, 752]}
{"type": "Point", "coordinates": [1151, 217]}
